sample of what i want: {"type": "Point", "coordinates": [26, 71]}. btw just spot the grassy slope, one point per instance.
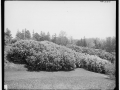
{"type": "Point", "coordinates": [78, 79]}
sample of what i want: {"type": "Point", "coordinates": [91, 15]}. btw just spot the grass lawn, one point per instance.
{"type": "Point", "coordinates": [78, 79]}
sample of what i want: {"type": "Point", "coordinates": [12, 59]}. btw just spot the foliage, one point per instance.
{"type": "Point", "coordinates": [82, 42]}
{"type": "Point", "coordinates": [37, 54]}
{"type": "Point", "coordinates": [90, 43]}
{"type": "Point", "coordinates": [25, 34]}
{"type": "Point", "coordinates": [91, 62]}
{"type": "Point", "coordinates": [36, 37]}
{"type": "Point", "coordinates": [48, 56]}
{"type": "Point", "coordinates": [19, 35]}
{"type": "Point", "coordinates": [13, 40]}
{"type": "Point", "coordinates": [110, 69]}
{"type": "Point", "coordinates": [62, 39]}
{"type": "Point", "coordinates": [47, 37]}
{"type": "Point", "coordinates": [6, 49]}
{"type": "Point", "coordinates": [94, 63]}
{"type": "Point", "coordinates": [21, 49]}
{"type": "Point", "coordinates": [108, 44]}
{"type": "Point", "coordinates": [41, 37]}
{"type": "Point", "coordinates": [100, 53]}
{"type": "Point", "coordinates": [98, 43]}
{"type": "Point", "coordinates": [54, 38]}
{"type": "Point", "coordinates": [7, 36]}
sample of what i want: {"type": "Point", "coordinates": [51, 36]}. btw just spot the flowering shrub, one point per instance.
{"type": "Point", "coordinates": [100, 53]}
{"type": "Point", "coordinates": [42, 55]}
{"type": "Point", "coordinates": [94, 63]}
{"type": "Point", "coordinates": [48, 56]}
{"type": "Point", "coordinates": [7, 48]}
{"type": "Point", "coordinates": [110, 69]}
{"type": "Point", "coordinates": [21, 49]}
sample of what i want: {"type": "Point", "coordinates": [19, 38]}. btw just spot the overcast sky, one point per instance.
{"type": "Point", "coordinates": [76, 18]}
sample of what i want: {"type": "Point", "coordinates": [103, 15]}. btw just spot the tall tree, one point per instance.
{"type": "Point", "coordinates": [48, 36]}
{"type": "Point", "coordinates": [42, 36]}
{"type": "Point", "coordinates": [7, 36]}
{"type": "Point", "coordinates": [84, 42]}
{"type": "Point", "coordinates": [62, 39]}
{"type": "Point", "coordinates": [110, 44]}
{"type": "Point", "coordinates": [54, 38]}
{"type": "Point", "coordinates": [79, 43]}
{"type": "Point", "coordinates": [19, 35]}
{"type": "Point", "coordinates": [90, 42]}
{"type": "Point", "coordinates": [33, 35]}
{"type": "Point", "coordinates": [36, 37]}
{"type": "Point", "coordinates": [98, 43]}
{"type": "Point", "coordinates": [27, 34]}
{"type": "Point", "coordinates": [113, 44]}
{"type": "Point", "coordinates": [71, 41]}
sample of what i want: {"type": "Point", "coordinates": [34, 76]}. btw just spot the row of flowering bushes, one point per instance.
{"type": "Point", "coordinates": [48, 56]}
{"type": "Point", "coordinates": [42, 55]}
{"type": "Point", "coordinates": [93, 63]}
{"type": "Point", "coordinates": [100, 53]}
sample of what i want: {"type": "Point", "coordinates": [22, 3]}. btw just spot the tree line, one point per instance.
{"type": "Point", "coordinates": [108, 44]}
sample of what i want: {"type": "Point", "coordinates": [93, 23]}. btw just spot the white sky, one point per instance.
{"type": "Point", "coordinates": [76, 18]}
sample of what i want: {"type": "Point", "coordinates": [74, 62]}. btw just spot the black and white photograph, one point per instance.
{"type": "Point", "coordinates": [60, 45]}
